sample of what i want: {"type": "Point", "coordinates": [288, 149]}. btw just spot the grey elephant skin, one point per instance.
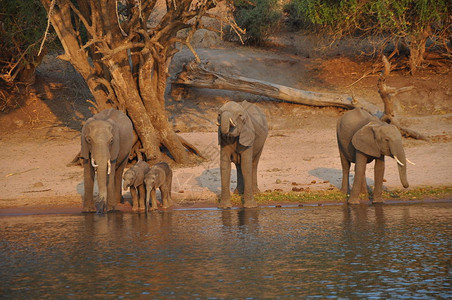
{"type": "Point", "coordinates": [363, 138]}
{"type": "Point", "coordinates": [160, 176]}
{"type": "Point", "coordinates": [242, 131]}
{"type": "Point", "coordinates": [134, 179]}
{"type": "Point", "coordinates": [106, 139]}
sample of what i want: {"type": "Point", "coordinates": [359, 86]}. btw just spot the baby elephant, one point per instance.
{"type": "Point", "coordinates": [160, 176]}
{"type": "Point", "coordinates": [134, 178]}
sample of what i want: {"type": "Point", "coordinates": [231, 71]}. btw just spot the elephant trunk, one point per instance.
{"type": "Point", "coordinates": [102, 181]}
{"type": "Point", "coordinates": [126, 185]}
{"type": "Point", "coordinates": [101, 161]}
{"type": "Point", "coordinates": [399, 155]}
{"type": "Point", "coordinates": [225, 122]}
{"type": "Point", "coordinates": [148, 197]}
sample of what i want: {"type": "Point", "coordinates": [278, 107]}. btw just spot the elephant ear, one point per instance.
{"type": "Point", "coordinates": [365, 141]}
{"type": "Point", "coordinates": [114, 150]}
{"type": "Point", "coordinates": [139, 177]}
{"type": "Point", "coordinates": [84, 152]}
{"type": "Point", "coordinates": [247, 133]}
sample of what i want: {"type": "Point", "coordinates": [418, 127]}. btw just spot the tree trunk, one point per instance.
{"type": "Point", "coordinates": [125, 63]}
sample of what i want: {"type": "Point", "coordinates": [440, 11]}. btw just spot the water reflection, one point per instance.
{"type": "Point", "coordinates": [362, 251]}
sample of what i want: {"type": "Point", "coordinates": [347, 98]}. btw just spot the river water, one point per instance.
{"type": "Point", "coordinates": [331, 251]}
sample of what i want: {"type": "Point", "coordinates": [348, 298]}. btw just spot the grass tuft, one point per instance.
{"type": "Point", "coordinates": [335, 196]}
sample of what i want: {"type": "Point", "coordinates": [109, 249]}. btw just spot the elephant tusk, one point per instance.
{"type": "Point", "coordinates": [218, 124]}
{"type": "Point", "coordinates": [398, 161]}
{"type": "Point", "coordinates": [108, 167]}
{"type": "Point", "coordinates": [93, 163]}
{"type": "Point", "coordinates": [232, 122]}
{"type": "Point", "coordinates": [410, 162]}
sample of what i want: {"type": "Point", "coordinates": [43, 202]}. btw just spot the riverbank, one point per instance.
{"type": "Point", "coordinates": [41, 135]}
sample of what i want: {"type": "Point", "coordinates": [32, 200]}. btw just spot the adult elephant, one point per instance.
{"type": "Point", "coordinates": [107, 139]}
{"type": "Point", "coordinates": [242, 131]}
{"type": "Point", "coordinates": [363, 138]}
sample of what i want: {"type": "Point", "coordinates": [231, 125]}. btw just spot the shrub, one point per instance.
{"type": "Point", "coordinates": [260, 18]}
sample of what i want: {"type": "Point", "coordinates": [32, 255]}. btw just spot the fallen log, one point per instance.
{"type": "Point", "coordinates": [198, 75]}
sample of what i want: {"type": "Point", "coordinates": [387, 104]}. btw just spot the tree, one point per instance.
{"type": "Point", "coordinates": [409, 22]}
{"type": "Point", "coordinates": [122, 48]}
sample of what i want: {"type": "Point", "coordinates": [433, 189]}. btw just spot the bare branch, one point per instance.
{"type": "Point", "coordinates": [127, 46]}
{"type": "Point", "coordinates": [47, 27]}
{"type": "Point", "coordinates": [82, 18]}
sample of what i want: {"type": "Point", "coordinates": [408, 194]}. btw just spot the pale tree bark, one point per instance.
{"type": "Point", "coordinates": [124, 59]}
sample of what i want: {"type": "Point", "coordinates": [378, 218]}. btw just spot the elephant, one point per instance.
{"type": "Point", "coordinates": [242, 131]}
{"type": "Point", "coordinates": [363, 138]}
{"type": "Point", "coordinates": [160, 176]}
{"type": "Point", "coordinates": [106, 141]}
{"type": "Point", "coordinates": [134, 178]}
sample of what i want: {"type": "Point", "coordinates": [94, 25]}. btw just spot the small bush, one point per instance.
{"type": "Point", "coordinates": [260, 18]}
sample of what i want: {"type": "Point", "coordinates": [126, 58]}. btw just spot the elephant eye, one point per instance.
{"type": "Point", "coordinates": [110, 141]}
{"type": "Point", "coordinates": [88, 140]}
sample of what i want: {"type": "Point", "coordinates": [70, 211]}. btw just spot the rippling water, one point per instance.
{"type": "Point", "coordinates": [390, 251]}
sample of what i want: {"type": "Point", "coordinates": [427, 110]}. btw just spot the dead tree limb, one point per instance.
{"type": "Point", "coordinates": [387, 94]}
{"type": "Point", "coordinates": [197, 75]}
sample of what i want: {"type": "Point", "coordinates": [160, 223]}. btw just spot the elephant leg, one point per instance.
{"type": "Point", "coordinates": [153, 199]}
{"type": "Point", "coordinates": [255, 163]}
{"type": "Point", "coordinates": [225, 168]}
{"type": "Point", "coordinates": [112, 190]}
{"type": "Point", "coordinates": [133, 192]}
{"type": "Point", "coordinates": [165, 197]}
{"type": "Point", "coordinates": [345, 188]}
{"type": "Point", "coordinates": [379, 172]}
{"type": "Point", "coordinates": [365, 188]}
{"type": "Point", "coordinates": [170, 184]}
{"type": "Point", "coordinates": [118, 182]}
{"type": "Point", "coordinates": [360, 175]}
{"type": "Point", "coordinates": [240, 187]}
{"type": "Point", "coordinates": [247, 172]}
{"type": "Point", "coordinates": [141, 199]}
{"type": "Point", "coordinates": [88, 182]}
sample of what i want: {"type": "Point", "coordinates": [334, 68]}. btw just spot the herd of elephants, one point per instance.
{"type": "Point", "coordinates": [107, 139]}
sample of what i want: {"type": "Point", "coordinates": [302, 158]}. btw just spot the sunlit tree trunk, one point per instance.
{"type": "Point", "coordinates": [125, 62]}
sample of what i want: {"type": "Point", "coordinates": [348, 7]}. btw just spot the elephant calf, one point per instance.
{"type": "Point", "coordinates": [363, 138]}
{"type": "Point", "coordinates": [242, 131]}
{"type": "Point", "coordinates": [134, 178]}
{"type": "Point", "coordinates": [159, 176]}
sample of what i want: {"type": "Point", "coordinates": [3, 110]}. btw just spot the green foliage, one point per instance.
{"type": "Point", "coordinates": [260, 18]}
{"type": "Point", "coordinates": [411, 22]}
{"type": "Point", "coordinates": [22, 24]}
{"type": "Point", "coordinates": [375, 16]}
